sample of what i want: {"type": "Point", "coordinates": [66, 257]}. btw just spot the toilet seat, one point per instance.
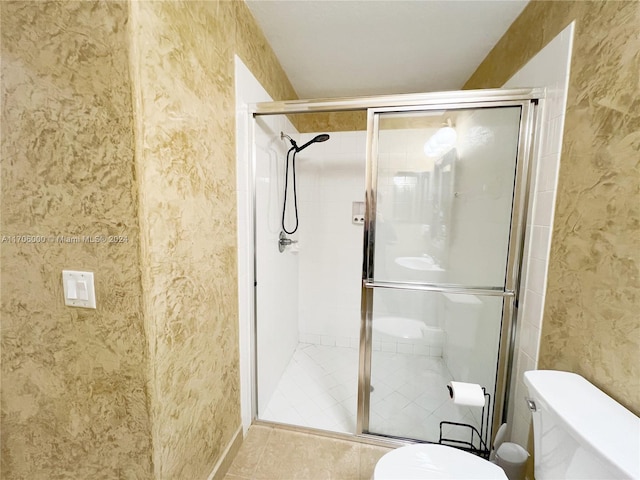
{"type": "Point", "coordinates": [432, 461]}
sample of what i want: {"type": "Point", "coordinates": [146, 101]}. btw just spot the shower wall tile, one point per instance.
{"type": "Point", "coordinates": [74, 380]}
{"type": "Point", "coordinates": [247, 91]}
{"type": "Point", "coordinates": [330, 244]}
{"type": "Point", "coordinates": [541, 236]}
{"type": "Point", "coordinates": [549, 68]}
{"type": "Point", "coordinates": [277, 273]}
{"type": "Point", "coordinates": [543, 208]}
{"type": "Point", "coordinates": [406, 347]}
{"type": "Point", "coordinates": [548, 176]}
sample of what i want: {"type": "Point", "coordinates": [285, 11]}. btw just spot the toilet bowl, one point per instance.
{"type": "Point", "coordinates": [433, 461]}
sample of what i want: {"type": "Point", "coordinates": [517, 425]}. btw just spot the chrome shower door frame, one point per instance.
{"type": "Point", "coordinates": [530, 100]}
{"type": "Point", "coordinates": [514, 260]}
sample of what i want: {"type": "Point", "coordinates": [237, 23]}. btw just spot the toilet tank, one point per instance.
{"type": "Point", "coordinates": [579, 431]}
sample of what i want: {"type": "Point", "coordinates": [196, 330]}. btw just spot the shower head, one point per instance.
{"type": "Point", "coordinates": [323, 137]}
{"type": "Point", "coordinates": [318, 138]}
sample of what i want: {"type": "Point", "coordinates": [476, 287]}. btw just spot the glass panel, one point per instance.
{"type": "Point", "coordinates": [420, 342]}
{"type": "Point", "coordinates": [444, 195]}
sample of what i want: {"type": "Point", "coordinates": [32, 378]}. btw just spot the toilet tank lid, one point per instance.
{"type": "Point", "coordinates": [591, 415]}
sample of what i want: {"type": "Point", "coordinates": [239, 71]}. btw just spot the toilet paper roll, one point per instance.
{"type": "Point", "coordinates": [468, 394]}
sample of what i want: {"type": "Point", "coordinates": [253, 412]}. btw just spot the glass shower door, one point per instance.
{"type": "Point", "coordinates": [439, 282]}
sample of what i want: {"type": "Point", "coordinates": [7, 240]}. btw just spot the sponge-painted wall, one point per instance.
{"type": "Point", "coordinates": [74, 381]}
{"type": "Point", "coordinates": [591, 320]}
{"type": "Point", "coordinates": [118, 118]}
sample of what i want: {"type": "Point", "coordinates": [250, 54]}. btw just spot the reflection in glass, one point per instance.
{"type": "Point", "coordinates": [449, 203]}
{"type": "Point", "coordinates": [444, 187]}
{"type": "Point", "coordinates": [421, 341]}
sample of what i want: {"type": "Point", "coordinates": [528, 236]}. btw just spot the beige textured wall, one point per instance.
{"type": "Point", "coordinates": [591, 322]}
{"type": "Point", "coordinates": [186, 163]}
{"type": "Point", "coordinates": [183, 58]}
{"type": "Point", "coordinates": [74, 401]}
{"type": "Point", "coordinates": [330, 122]}
{"type": "Point", "coordinates": [80, 398]}
{"type": "Point", "coordinates": [251, 46]}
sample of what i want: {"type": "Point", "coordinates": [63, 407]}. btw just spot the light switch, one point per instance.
{"type": "Point", "coordinates": [78, 289]}
{"type": "Point", "coordinates": [82, 290]}
{"type": "Point", "coordinates": [72, 292]}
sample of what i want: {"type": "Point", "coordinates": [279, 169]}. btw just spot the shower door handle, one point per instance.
{"type": "Point", "coordinates": [441, 288]}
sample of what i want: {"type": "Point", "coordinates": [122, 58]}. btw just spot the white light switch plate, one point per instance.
{"type": "Point", "coordinates": [78, 289]}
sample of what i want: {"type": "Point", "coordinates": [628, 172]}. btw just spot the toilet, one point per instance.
{"type": "Point", "coordinates": [580, 433]}
{"type": "Point", "coordinates": [432, 461]}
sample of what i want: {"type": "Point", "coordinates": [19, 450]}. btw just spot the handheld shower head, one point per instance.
{"type": "Point", "coordinates": [323, 137]}
{"type": "Point", "coordinates": [295, 149]}
{"type": "Point", "coordinates": [318, 138]}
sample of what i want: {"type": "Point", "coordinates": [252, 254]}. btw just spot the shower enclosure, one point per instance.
{"type": "Point", "coordinates": [403, 274]}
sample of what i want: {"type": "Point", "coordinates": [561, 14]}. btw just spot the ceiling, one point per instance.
{"type": "Point", "coordinates": [338, 48]}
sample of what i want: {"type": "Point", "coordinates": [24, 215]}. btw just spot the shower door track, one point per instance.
{"type": "Point", "coordinates": [349, 104]}
{"type": "Point", "coordinates": [531, 100]}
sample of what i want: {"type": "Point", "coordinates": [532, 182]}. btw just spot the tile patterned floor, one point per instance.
{"type": "Point", "coordinates": [271, 453]}
{"type": "Point", "coordinates": [319, 390]}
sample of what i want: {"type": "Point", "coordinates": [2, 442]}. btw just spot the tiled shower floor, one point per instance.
{"type": "Point", "coordinates": [319, 390]}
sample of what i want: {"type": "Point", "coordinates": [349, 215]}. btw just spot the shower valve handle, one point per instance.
{"type": "Point", "coordinates": [287, 241]}
{"type": "Point", "coordinates": [283, 241]}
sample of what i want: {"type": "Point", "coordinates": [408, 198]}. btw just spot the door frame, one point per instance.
{"type": "Point", "coordinates": [528, 140]}
{"type": "Point", "coordinates": [524, 155]}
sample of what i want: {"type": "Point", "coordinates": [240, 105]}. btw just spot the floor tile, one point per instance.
{"type": "Point", "coordinates": [369, 455]}
{"type": "Point", "coordinates": [300, 456]}
{"type": "Point", "coordinates": [319, 390]}
{"type": "Point", "coordinates": [247, 458]}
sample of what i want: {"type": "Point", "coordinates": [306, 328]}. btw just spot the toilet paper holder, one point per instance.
{"type": "Point", "coordinates": [478, 439]}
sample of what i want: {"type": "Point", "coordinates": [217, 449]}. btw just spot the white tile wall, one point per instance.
{"type": "Point", "coordinates": [550, 69]}
{"type": "Point", "coordinates": [331, 177]}
{"type": "Point", "coordinates": [276, 272]}
{"type": "Point", "coordinates": [277, 330]}
{"type": "Point", "coordinates": [395, 346]}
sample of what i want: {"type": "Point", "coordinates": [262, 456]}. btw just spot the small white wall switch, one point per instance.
{"type": "Point", "coordinates": [78, 289]}
{"type": "Point", "coordinates": [83, 293]}
{"type": "Point", "coordinates": [72, 291]}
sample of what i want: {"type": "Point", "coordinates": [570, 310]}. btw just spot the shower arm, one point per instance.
{"type": "Point", "coordinates": [293, 142]}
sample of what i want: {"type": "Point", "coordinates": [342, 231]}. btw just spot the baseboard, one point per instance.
{"type": "Point", "coordinates": [226, 459]}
